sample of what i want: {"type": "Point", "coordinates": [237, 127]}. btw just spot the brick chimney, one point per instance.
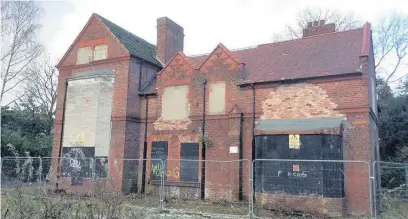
{"type": "Point", "coordinates": [170, 39]}
{"type": "Point", "coordinates": [318, 27]}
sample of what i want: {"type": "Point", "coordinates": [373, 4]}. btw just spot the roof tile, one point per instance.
{"type": "Point", "coordinates": [135, 45]}
{"type": "Point", "coordinates": [321, 55]}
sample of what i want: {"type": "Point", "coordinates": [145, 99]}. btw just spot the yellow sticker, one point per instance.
{"type": "Point", "coordinates": [294, 141]}
{"type": "Point", "coordinates": [81, 138]}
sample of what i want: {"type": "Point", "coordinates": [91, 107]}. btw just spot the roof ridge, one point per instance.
{"type": "Point", "coordinates": [137, 46]}
{"type": "Point", "coordinates": [278, 42]}
{"type": "Point", "coordinates": [313, 36]}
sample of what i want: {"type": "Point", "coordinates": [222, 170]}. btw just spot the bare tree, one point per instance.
{"type": "Point", "coordinates": [19, 20]}
{"type": "Point", "coordinates": [41, 89]}
{"type": "Point", "coordinates": [391, 46]}
{"type": "Point", "coordinates": [342, 21]}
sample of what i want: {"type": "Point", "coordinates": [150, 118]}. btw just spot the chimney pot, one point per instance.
{"type": "Point", "coordinates": [318, 27]}
{"type": "Point", "coordinates": [321, 22]}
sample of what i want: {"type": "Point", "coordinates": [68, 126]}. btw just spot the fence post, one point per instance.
{"type": "Point", "coordinates": [40, 169]}
{"type": "Point", "coordinates": [370, 192]}
{"type": "Point", "coordinates": [375, 189]}
{"type": "Point", "coordinates": [162, 186]}
{"type": "Point", "coordinates": [251, 189]}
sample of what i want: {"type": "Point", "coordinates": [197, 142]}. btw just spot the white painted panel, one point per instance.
{"type": "Point", "coordinates": [101, 52]}
{"type": "Point", "coordinates": [88, 114]}
{"type": "Point", "coordinates": [217, 98]}
{"type": "Point", "coordinates": [84, 55]}
{"type": "Point", "coordinates": [175, 103]}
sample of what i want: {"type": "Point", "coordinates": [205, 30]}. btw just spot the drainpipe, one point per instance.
{"type": "Point", "coordinates": [203, 145]}
{"type": "Point", "coordinates": [62, 134]}
{"type": "Point", "coordinates": [253, 136]}
{"type": "Point", "coordinates": [253, 121]}
{"type": "Point", "coordinates": [145, 146]}
{"type": "Point", "coordinates": [241, 155]}
{"type": "Point", "coordinates": [140, 75]}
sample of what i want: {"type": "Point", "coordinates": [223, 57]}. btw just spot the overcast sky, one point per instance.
{"type": "Point", "coordinates": [235, 23]}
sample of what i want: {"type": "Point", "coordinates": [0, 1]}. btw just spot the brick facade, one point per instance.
{"type": "Point", "coordinates": [345, 96]}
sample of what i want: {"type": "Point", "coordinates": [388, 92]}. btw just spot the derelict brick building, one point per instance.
{"type": "Point", "coordinates": [320, 89]}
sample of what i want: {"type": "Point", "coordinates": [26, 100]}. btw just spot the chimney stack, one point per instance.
{"type": "Point", "coordinates": [170, 39]}
{"type": "Point", "coordinates": [318, 27]}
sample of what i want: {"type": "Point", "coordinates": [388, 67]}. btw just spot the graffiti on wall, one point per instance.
{"type": "Point", "coordinates": [101, 167]}
{"type": "Point", "coordinates": [76, 163]}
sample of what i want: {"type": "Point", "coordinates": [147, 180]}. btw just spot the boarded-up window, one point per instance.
{"type": "Point", "coordinates": [189, 162]}
{"type": "Point", "coordinates": [84, 55]}
{"type": "Point", "coordinates": [159, 152]}
{"type": "Point", "coordinates": [100, 52]}
{"type": "Point", "coordinates": [175, 103]}
{"type": "Point", "coordinates": [217, 98]}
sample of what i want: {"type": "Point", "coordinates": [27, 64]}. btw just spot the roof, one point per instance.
{"type": "Point", "coordinates": [328, 54]}
{"type": "Point", "coordinates": [137, 46]}
{"type": "Point", "coordinates": [299, 124]}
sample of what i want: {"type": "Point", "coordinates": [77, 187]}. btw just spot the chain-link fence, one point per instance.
{"type": "Point", "coordinates": [391, 189]}
{"type": "Point", "coordinates": [320, 187]}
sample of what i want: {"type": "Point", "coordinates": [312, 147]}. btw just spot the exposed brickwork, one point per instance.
{"type": "Point", "coordinates": [286, 100]}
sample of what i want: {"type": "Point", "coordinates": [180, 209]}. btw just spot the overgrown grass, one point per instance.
{"type": "Point", "coordinates": [36, 202]}
{"type": "Point", "coordinates": [393, 208]}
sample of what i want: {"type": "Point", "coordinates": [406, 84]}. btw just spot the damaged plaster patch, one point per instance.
{"type": "Point", "coordinates": [161, 124]}
{"type": "Point", "coordinates": [303, 100]}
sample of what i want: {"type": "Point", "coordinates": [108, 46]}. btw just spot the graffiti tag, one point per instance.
{"type": "Point", "coordinates": [74, 163]}
{"type": "Point", "coordinates": [156, 169]}
{"type": "Point", "coordinates": [175, 172]}
{"type": "Point", "coordinates": [294, 174]}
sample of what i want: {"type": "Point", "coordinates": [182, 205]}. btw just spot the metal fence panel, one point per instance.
{"type": "Point", "coordinates": [391, 189]}
{"type": "Point", "coordinates": [234, 187]}
{"type": "Point", "coordinates": [20, 171]}
{"type": "Point", "coordinates": [137, 184]}
{"type": "Point", "coordinates": [322, 187]}
{"type": "Point", "coordinates": [226, 187]}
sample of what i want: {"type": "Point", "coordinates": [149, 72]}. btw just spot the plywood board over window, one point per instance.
{"type": "Point", "coordinates": [175, 103]}
{"type": "Point", "coordinates": [84, 55]}
{"type": "Point", "coordinates": [217, 98]}
{"type": "Point", "coordinates": [100, 52]}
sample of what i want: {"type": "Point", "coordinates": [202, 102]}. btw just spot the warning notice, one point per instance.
{"type": "Point", "coordinates": [294, 141]}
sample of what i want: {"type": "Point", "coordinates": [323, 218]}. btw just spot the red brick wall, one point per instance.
{"type": "Point", "coordinates": [349, 95]}
{"type": "Point", "coordinates": [94, 33]}
{"type": "Point", "coordinates": [126, 102]}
